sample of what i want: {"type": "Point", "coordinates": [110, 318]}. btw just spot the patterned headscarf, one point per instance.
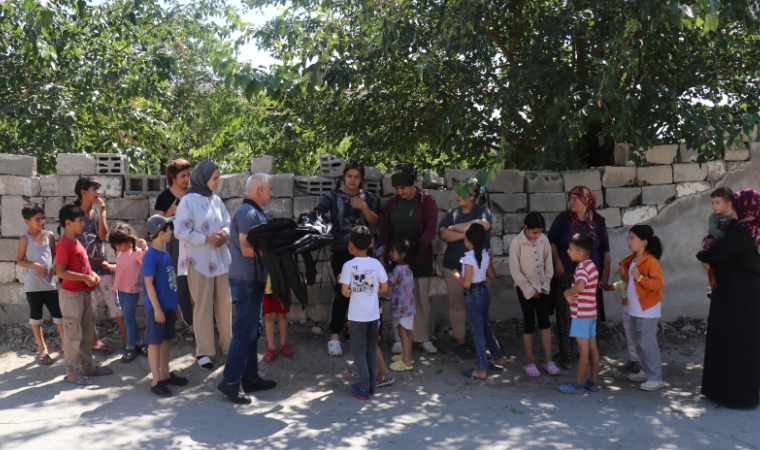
{"type": "Point", "coordinates": [588, 198]}
{"type": "Point", "coordinates": [746, 203]}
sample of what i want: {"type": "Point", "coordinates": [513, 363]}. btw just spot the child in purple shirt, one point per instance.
{"type": "Point", "coordinates": [401, 281]}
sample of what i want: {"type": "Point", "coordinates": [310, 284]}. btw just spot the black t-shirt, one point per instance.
{"type": "Point", "coordinates": [165, 201]}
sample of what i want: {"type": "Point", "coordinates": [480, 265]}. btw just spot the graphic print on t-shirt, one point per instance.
{"type": "Point", "coordinates": [363, 281]}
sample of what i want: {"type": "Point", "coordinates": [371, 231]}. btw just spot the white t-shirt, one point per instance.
{"type": "Point", "coordinates": [634, 306]}
{"type": "Point", "coordinates": [363, 277]}
{"type": "Point", "coordinates": [478, 271]}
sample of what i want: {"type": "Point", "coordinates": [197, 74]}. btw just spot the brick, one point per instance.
{"type": "Point", "coordinates": [432, 180]}
{"type": "Point", "coordinates": [513, 223]}
{"type": "Point", "coordinates": [13, 185]}
{"type": "Point", "coordinates": [315, 185]}
{"type": "Point", "coordinates": [658, 195]}
{"type": "Point", "coordinates": [444, 200]}
{"type": "Point", "coordinates": [232, 204]}
{"type": "Point", "coordinates": [638, 214]}
{"type": "Point", "coordinates": [111, 164]}
{"type": "Point", "coordinates": [622, 155]}
{"type": "Point", "coordinates": [457, 176]}
{"type": "Point", "coordinates": [53, 206]}
{"type": "Point", "coordinates": [685, 189]}
{"type": "Point", "coordinates": [509, 203]}
{"type": "Point", "coordinates": [547, 202]}
{"type": "Point", "coordinates": [20, 165]}
{"type": "Point", "coordinates": [618, 176]}
{"type": "Point", "coordinates": [689, 172]}
{"type": "Point", "coordinates": [497, 245]}
{"type": "Point", "coordinates": [126, 209]}
{"type": "Point", "coordinates": [372, 174]}
{"type": "Point", "coordinates": [331, 166]}
{"type": "Point", "coordinates": [716, 170]}
{"type": "Point", "coordinates": [646, 176]}
{"type": "Point", "coordinates": [262, 164]}
{"type": "Point", "coordinates": [736, 154]}
{"type": "Point", "coordinates": [508, 182]}
{"type": "Point", "coordinates": [280, 207]}
{"type": "Point", "coordinates": [544, 182]}
{"type": "Point", "coordinates": [622, 197]}
{"type": "Point", "coordinates": [282, 185]}
{"type": "Point", "coordinates": [75, 164]}
{"type": "Point", "coordinates": [686, 154]}
{"type": "Point", "coordinates": [232, 186]}
{"type": "Point", "coordinates": [611, 216]}
{"type": "Point", "coordinates": [11, 223]}
{"type": "Point", "coordinates": [661, 154]}
{"type": "Point", "coordinates": [8, 249]}
{"type": "Point", "coordinates": [48, 185]}
{"type": "Point", "coordinates": [497, 224]}
{"type": "Point", "coordinates": [305, 203]}
{"type": "Point", "coordinates": [591, 178]}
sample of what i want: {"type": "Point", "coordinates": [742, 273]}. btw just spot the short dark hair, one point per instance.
{"type": "Point", "coordinates": [83, 184]}
{"type": "Point", "coordinates": [121, 233]}
{"type": "Point", "coordinates": [722, 192]}
{"type": "Point", "coordinates": [30, 210]}
{"type": "Point", "coordinates": [69, 213]}
{"type": "Point", "coordinates": [167, 225]}
{"type": "Point", "coordinates": [534, 221]}
{"type": "Point", "coordinates": [174, 168]}
{"type": "Point", "coordinates": [361, 237]}
{"type": "Point", "coordinates": [583, 242]}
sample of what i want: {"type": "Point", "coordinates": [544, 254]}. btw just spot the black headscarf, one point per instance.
{"type": "Point", "coordinates": [200, 176]}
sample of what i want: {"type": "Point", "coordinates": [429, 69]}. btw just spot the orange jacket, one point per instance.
{"type": "Point", "coordinates": [649, 289]}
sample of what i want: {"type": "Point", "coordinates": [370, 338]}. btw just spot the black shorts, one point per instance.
{"type": "Point", "coordinates": [156, 333]}
{"type": "Point", "coordinates": [47, 298]}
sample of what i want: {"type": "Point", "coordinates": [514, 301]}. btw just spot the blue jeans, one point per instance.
{"type": "Point", "coordinates": [364, 349]}
{"type": "Point", "coordinates": [477, 300]}
{"type": "Point", "coordinates": [128, 304]}
{"type": "Point", "coordinates": [243, 358]}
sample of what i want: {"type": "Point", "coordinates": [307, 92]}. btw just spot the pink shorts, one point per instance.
{"type": "Point", "coordinates": [271, 304]}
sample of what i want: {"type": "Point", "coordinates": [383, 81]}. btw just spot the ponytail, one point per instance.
{"type": "Point", "coordinates": [476, 234]}
{"type": "Point", "coordinates": [646, 233]}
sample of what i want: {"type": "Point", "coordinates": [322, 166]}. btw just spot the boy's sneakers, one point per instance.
{"type": "Point", "coordinates": [258, 385]}
{"type": "Point", "coordinates": [652, 385]}
{"type": "Point", "coordinates": [638, 377]}
{"type": "Point", "coordinates": [396, 349]}
{"type": "Point", "coordinates": [334, 348]}
{"type": "Point", "coordinates": [286, 349]}
{"type": "Point", "coordinates": [359, 393]}
{"type": "Point", "coordinates": [591, 386]}
{"type": "Point", "coordinates": [572, 388]}
{"type": "Point", "coordinates": [429, 348]}
{"type": "Point", "coordinates": [234, 392]}
{"type": "Point", "coordinates": [270, 355]}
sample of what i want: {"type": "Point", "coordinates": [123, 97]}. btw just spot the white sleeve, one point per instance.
{"type": "Point", "coordinates": [345, 274]}
{"type": "Point", "coordinates": [184, 225]}
{"type": "Point", "coordinates": [382, 275]}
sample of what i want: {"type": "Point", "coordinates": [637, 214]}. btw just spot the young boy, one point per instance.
{"type": "Point", "coordinates": [73, 267]}
{"type": "Point", "coordinates": [362, 279]}
{"type": "Point", "coordinates": [272, 306]}
{"type": "Point", "coordinates": [582, 299]}
{"type": "Point", "coordinates": [36, 253]}
{"type": "Point", "coordinates": [161, 303]}
{"type": "Point", "coordinates": [720, 218]}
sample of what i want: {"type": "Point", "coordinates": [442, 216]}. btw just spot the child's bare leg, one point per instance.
{"type": "Point", "coordinates": [60, 333]}
{"type": "Point", "coordinates": [381, 367]}
{"type": "Point", "coordinates": [546, 341]}
{"type": "Point", "coordinates": [41, 347]}
{"type": "Point", "coordinates": [154, 360]}
{"type": "Point", "coordinates": [122, 329]}
{"type": "Point", "coordinates": [583, 350]}
{"type": "Point", "coordinates": [406, 345]}
{"type": "Point", "coordinates": [164, 360]}
{"type": "Point", "coordinates": [282, 322]}
{"type": "Point", "coordinates": [269, 319]}
{"type": "Point", "coordinates": [528, 344]}
{"type": "Point", "coordinates": [96, 342]}
{"type": "Point", "coordinates": [594, 351]}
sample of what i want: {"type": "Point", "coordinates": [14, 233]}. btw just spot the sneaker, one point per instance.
{"type": "Point", "coordinates": [384, 381]}
{"type": "Point", "coordinates": [270, 355]}
{"type": "Point", "coordinates": [334, 348]}
{"type": "Point", "coordinates": [429, 348]}
{"type": "Point", "coordinates": [258, 385]}
{"type": "Point", "coordinates": [190, 336]}
{"type": "Point", "coordinates": [234, 392]}
{"type": "Point", "coordinates": [639, 377]}
{"type": "Point", "coordinates": [591, 386]}
{"type": "Point", "coordinates": [572, 388]}
{"type": "Point", "coordinates": [286, 349]}
{"type": "Point", "coordinates": [396, 349]}
{"type": "Point", "coordinates": [652, 385]}
{"type": "Point", "coordinates": [359, 393]}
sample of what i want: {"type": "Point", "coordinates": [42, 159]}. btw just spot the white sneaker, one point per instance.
{"type": "Point", "coordinates": [652, 385]}
{"type": "Point", "coordinates": [334, 348]}
{"type": "Point", "coordinates": [396, 349]}
{"type": "Point", "coordinates": [641, 376]}
{"type": "Point", "coordinates": [429, 348]}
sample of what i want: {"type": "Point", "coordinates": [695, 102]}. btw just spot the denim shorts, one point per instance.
{"type": "Point", "coordinates": [583, 328]}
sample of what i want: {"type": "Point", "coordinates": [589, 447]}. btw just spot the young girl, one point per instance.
{"type": "Point", "coordinates": [644, 291]}
{"type": "Point", "coordinates": [127, 282]}
{"type": "Point", "coordinates": [402, 303]}
{"type": "Point", "coordinates": [634, 362]}
{"type": "Point", "coordinates": [531, 266]}
{"type": "Point", "coordinates": [476, 267]}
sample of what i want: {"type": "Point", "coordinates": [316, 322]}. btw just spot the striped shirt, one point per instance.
{"type": "Point", "coordinates": [586, 306]}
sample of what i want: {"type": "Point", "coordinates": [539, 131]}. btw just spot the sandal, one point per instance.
{"type": "Point", "coordinates": [567, 365]}
{"type": "Point", "coordinates": [399, 366]}
{"type": "Point", "coordinates": [129, 356]}
{"type": "Point", "coordinates": [552, 369]}
{"type": "Point", "coordinates": [468, 374]}
{"type": "Point", "coordinates": [80, 380]}
{"type": "Point", "coordinates": [494, 367]}
{"type": "Point", "coordinates": [632, 366]}
{"type": "Point", "coordinates": [205, 363]}
{"type": "Point", "coordinates": [351, 374]}
{"type": "Point", "coordinates": [102, 350]}
{"type": "Point", "coordinates": [531, 370]}
{"type": "Point", "coordinates": [384, 381]}
{"type": "Point", "coordinates": [44, 359]}
{"type": "Point", "coordinates": [100, 372]}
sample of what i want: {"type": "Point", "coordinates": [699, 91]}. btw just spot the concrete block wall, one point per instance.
{"type": "Point", "coordinates": [627, 195]}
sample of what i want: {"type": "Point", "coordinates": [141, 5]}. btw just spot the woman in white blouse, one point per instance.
{"type": "Point", "coordinates": [202, 225]}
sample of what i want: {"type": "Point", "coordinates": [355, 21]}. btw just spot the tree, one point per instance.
{"type": "Point", "coordinates": [513, 83]}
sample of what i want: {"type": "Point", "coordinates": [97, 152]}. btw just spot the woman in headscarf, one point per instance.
{"type": "Point", "coordinates": [580, 218]}
{"type": "Point", "coordinates": [731, 374]}
{"type": "Point", "coordinates": [413, 215]}
{"type": "Point", "coordinates": [202, 224]}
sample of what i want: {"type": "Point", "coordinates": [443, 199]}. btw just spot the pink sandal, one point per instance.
{"type": "Point", "coordinates": [552, 369]}
{"type": "Point", "coordinates": [531, 370]}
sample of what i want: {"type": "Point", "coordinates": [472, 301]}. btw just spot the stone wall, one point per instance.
{"type": "Point", "coordinates": [671, 193]}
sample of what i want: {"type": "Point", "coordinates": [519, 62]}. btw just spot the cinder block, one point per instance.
{"type": "Point", "coordinates": [544, 182]}
{"type": "Point", "coordinates": [20, 165]}
{"type": "Point", "coordinates": [591, 178]}
{"type": "Point", "coordinates": [509, 203]}
{"type": "Point", "coordinates": [508, 182]}
{"type": "Point", "coordinates": [232, 186]}
{"type": "Point", "coordinates": [280, 207]}
{"type": "Point", "coordinates": [282, 185]}
{"type": "Point", "coordinates": [319, 294]}
{"type": "Point", "coordinates": [372, 174]}
{"type": "Point", "coordinates": [599, 198]}
{"type": "Point", "coordinates": [716, 170]}
{"type": "Point", "coordinates": [736, 153]}
{"type": "Point", "coordinates": [8, 249]}
{"type": "Point", "coordinates": [684, 189]}
{"type": "Point", "coordinates": [375, 187]}
{"type": "Point", "coordinates": [52, 225]}
{"type": "Point", "coordinates": [388, 188]}
{"type": "Point", "coordinates": [618, 176]}
{"type": "Point", "coordinates": [12, 223]}
{"type": "Point", "coordinates": [658, 195]}
{"type": "Point", "coordinates": [7, 272]}
{"type": "Point", "coordinates": [611, 216]}
{"type": "Point", "coordinates": [12, 294]}
{"type": "Point", "coordinates": [128, 209]}
{"type": "Point", "coordinates": [513, 223]}
{"type": "Point", "coordinates": [14, 185]}
{"type": "Point", "coordinates": [75, 164]}
{"type": "Point", "coordinates": [315, 185]}
{"type": "Point", "coordinates": [111, 187]}
{"type": "Point", "coordinates": [622, 197]}
{"type": "Point", "coordinates": [232, 204]}
{"type": "Point", "coordinates": [141, 186]}
{"type": "Point", "coordinates": [501, 266]}
{"type": "Point", "coordinates": [646, 176]}
{"type": "Point", "coordinates": [262, 164]}
{"type": "Point", "coordinates": [661, 154]}
{"type": "Point", "coordinates": [686, 154]}
{"type": "Point", "coordinates": [439, 247]}
{"type": "Point", "coordinates": [547, 202]}
{"type": "Point", "coordinates": [549, 218]}
{"type": "Point", "coordinates": [111, 164]}
{"type": "Point", "coordinates": [432, 180]}
{"type": "Point", "coordinates": [53, 206]}
{"type": "Point", "coordinates": [48, 185]}
{"type": "Point", "coordinates": [622, 155]}
{"type": "Point", "coordinates": [507, 239]}
{"type": "Point", "coordinates": [331, 166]}
{"type": "Point", "coordinates": [497, 245]}
{"type": "Point", "coordinates": [689, 172]}
{"type": "Point", "coordinates": [638, 214]}
{"type": "Point", "coordinates": [305, 203]}
{"type": "Point", "coordinates": [20, 273]}
{"type": "Point", "coordinates": [735, 165]}
{"type": "Point", "coordinates": [497, 224]}
{"type": "Point", "coordinates": [457, 176]}
{"type": "Point", "coordinates": [444, 200]}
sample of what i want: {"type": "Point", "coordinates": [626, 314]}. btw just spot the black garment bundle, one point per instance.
{"type": "Point", "coordinates": [279, 242]}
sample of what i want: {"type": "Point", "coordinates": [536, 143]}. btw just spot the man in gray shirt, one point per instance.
{"type": "Point", "coordinates": [247, 284]}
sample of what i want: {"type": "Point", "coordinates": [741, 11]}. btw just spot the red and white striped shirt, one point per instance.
{"type": "Point", "coordinates": [586, 306]}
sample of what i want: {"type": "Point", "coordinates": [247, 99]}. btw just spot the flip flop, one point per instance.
{"type": "Point", "coordinates": [100, 372]}
{"type": "Point", "coordinates": [468, 374]}
{"type": "Point", "coordinates": [80, 380]}
{"type": "Point", "coordinates": [102, 350]}
{"type": "Point", "coordinates": [44, 359]}
{"type": "Point", "coordinates": [399, 366]}
{"type": "Point", "coordinates": [494, 367]}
